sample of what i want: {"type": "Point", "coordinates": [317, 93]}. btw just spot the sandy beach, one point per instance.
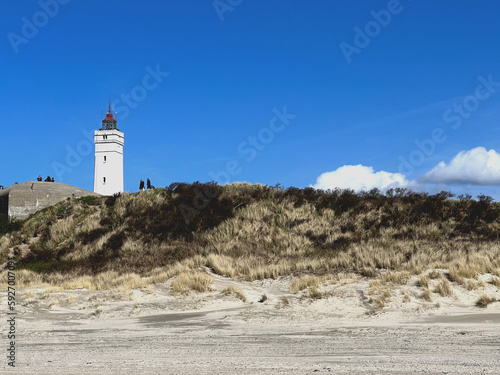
{"type": "Point", "coordinates": [151, 331]}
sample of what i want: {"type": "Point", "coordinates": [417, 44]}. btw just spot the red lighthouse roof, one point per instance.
{"type": "Point", "coordinates": [109, 123]}
{"type": "Point", "coordinates": [109, 117]}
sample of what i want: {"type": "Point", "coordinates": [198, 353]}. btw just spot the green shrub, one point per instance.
{"type": "Point", "coordinates": [88, 200]}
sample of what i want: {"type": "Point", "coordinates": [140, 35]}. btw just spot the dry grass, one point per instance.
{"type": "Point", "coordinates": [108, 280]}
{"type": "Point", "coordinates": [495, 281]}
{"type": "Point", "coordinates": [307, 281]}
{"type": "Point", "coordinates": [474, 284]}
{"type": "Point", "coordinates": [27, 294]}
{"type": "Point", "coordinates": [304, 282]}
{"type": "Point", "coordinates": [395, 277]}
{"type": "Point", "coordinates": [379, 292]}
{"type": "Point", "coordinates": [314, 293]}
{"type": "Point", "coordinates": [368, 272]}
{"type": "Point", "coordinates": [374, 286]}
{"type": "Point", "coordinates": [426, 295]}
{"type": "Point", "coordinates": [136, 240]}
{"type": "Point", "coordinates": [236, 292]}
{"type": "Point", "coordinates": [444, 288]}
{"type": "Point", "coordinates": [423, 281]}
{"type": "Point", "coordinates": [103, 281]}
{"type": "Point", "coordinates": [284, 301]}
{"type": "Point", "coordinates": [434, 274]}
{"type": "Point", "coordinates": [384, 297]}
{"type": "Point", "coordinates": [345, 277]}
{"type": "Point", "coordinates": [484, 300]}
{"type": "Point", "coordinates": [221, 265]}
{"type": "Point", "coordinates": [187, 282]}
{"type": "Point", "coordinates": [458, 273]}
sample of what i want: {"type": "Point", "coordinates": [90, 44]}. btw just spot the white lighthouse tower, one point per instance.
{"type": "Point", "coordinates": [108, 172]}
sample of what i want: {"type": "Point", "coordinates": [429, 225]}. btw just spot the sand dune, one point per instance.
{"type": "Point", "coordinates": [152, 331]}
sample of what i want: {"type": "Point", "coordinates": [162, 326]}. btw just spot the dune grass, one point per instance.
{"type": "Point", "coordinates": [255, 232]}
{"type": "Point", "coordinates": [444, 288]}
{"type": "Point", "coordinates": [235, 292]}
{"type": "Point", "coordinates": [304, 282]}
{"type": "Point", "coordinates": [484, 300]}
{"type": "Point", "coordinates": [188, 282]}
{"type": "Point", "coordinates": [495, 281]}
{"type": "Point", "coordinates": [426, 295]}
{"type": "Point", "coordinates": [423, 281]}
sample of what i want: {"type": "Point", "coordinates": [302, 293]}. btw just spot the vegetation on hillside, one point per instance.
{"type": "Point", "coordinates": [255, 232]}
{"type": "Point", "coordinates": [7, 225]}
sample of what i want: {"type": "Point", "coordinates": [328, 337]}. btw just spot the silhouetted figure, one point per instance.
{"type": "Point", "coordinates": [1, 187]}
{"type": "Point", "coordinates": [39, 178]}
{"type": "Point", "coordinates": [148, 184]}
{"type": "Point", "coordinates": [53, 179]}
{"type": "Point", "coordinates": [48, 179]}
{"type": "Point", "coordinates": [141, 185]}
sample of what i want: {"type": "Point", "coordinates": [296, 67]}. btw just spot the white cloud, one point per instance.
{"type": "Point", "coordinates": [360, 177]}
{"type": "Point", "coordinates": [475, 167]}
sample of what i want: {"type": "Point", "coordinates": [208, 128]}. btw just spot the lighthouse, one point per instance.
{"type": "Point", "coordinates": [108, 171]}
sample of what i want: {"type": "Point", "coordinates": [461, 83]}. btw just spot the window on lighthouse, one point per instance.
{"type": "Point", "coordinates": [104, 180]}
{"type": "Point", "coordinates": [105, 159]}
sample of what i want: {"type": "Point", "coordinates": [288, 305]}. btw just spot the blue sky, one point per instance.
{"type": "Point", "coordinates": [204, 76]}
